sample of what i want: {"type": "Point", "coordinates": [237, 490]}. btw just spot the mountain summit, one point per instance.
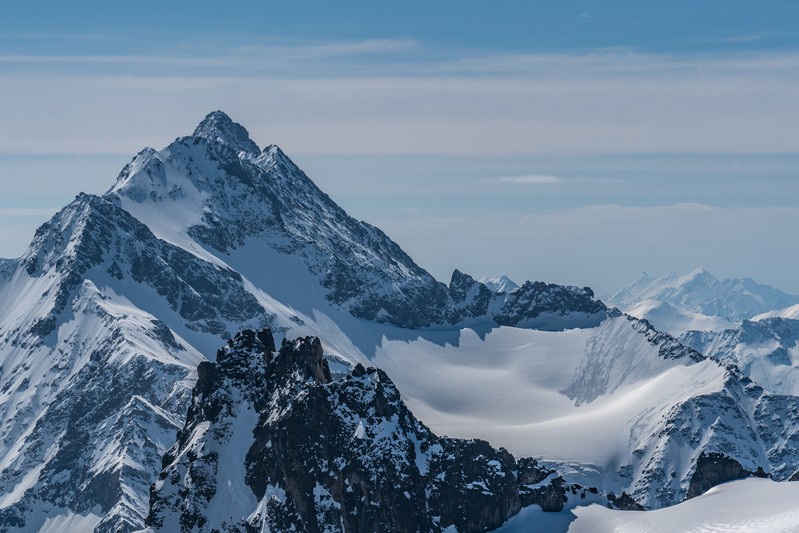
{"type": "Point", "coordinates": [217, 196]}
{"type": "Point", "coordinates": [219, 127]}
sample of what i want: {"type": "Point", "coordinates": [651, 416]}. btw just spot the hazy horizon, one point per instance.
{"type": "Point", "coordinates": [577, 143]}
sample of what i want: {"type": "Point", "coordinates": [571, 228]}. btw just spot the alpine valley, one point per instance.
{"type": "Point", "coordinates": [215, 345]}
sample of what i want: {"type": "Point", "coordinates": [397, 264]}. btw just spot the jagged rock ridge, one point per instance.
{"type": "Point", "coordinates": [317, 454]}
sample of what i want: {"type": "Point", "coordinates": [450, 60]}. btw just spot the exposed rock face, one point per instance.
{"type": "Point", "coordinates": [304, 452]}
{"type": "Point", "coordinates": [624, 503]}
{"type": "Point", "coordinates": [534, 304]}
{"type": "Point", "coordinates": [713, 469]}
{"type": "Point", "coordinates": [93, 386]}
{"type": "Point", "coordinates": [93, 233]}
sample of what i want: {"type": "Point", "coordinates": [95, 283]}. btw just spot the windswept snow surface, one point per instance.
{"type": "Point", "coordinates": [507, 387]}
{"type": "Point", "coordinates": [749, 506]}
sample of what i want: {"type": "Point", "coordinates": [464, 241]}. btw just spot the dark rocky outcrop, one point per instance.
{"type": "Point", "coordinates": [332, 454]}
{"type": "Point", "coordinates": [715, 468]}
{"type": "Point", "coordinates": [93, 231]}
{"type": "Point", "coordinates": [625, 502]}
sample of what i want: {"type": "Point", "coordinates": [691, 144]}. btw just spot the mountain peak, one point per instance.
{"type": "Point", "coordinates": [698, 272]}
{"type": "Point", "coordinates": [500, 284]}
{"type": "Point", "coordinates": [698, 275]}
{"type": "Point", "coordinates": [219, 127]}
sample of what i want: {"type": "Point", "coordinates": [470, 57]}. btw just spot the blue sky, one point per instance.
{"type": "Point", "coordinates": [573, 142]}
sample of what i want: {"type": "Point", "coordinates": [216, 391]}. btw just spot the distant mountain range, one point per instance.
{"type": "Point", "coordinates": [701, 292]}
{"type": "Point", "coordinates": [214, 344]}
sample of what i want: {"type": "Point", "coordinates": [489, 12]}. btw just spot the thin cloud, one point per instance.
{"type": "Point", "coordinates": [333, 49]}
{"type": "Point", "coordinates": [599, 181]}
{"type": "Point", "coordinates": [742, 39]}
{"type": "Point", "coordinates": [529, 179]}
{"type": "Point", "coordinates": [242, 56]}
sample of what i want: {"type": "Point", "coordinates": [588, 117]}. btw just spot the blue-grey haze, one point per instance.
{"type": "Point", "coordinates": [574, 142]}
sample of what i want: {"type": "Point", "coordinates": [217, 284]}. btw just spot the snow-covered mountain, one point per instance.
{"type": "Point", "coordinates": [700, 292]}
{"type": "Point", "coordinates": [106, 317]}
{"type": "Point", "coordinates": [256, 213]}
{"type": "Point", "coordinates": [500, 284]}
{"type": "Point", "coordinates": [676, 321]}
{"type": "Point", "coordinates": [791, 312]}
{"type": "Point", "coordinates": [766, 350]}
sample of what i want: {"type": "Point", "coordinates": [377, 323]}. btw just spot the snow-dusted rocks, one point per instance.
{"type": "Point", "coordinates": [86, 412]}
{"type": "Point", "coordinates": [535, 305]}
{"type": "Point", "coordinates": [273, 443]}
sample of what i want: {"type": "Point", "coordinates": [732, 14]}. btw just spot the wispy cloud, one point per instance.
{"type": "Point", "coordinates": [742, 38]}
{"type": "Point", "coordinates": [246, 56]}
{"type": "Point", "coordinates": [603, 103]}
{"type": "Point", "coordinates": [332, 49]}
{"type": "Point", "coordinates": [529, 179]}
{"type": "Point", "coordinates": [546, 179]}
{"type": "Point", "coordinates": [599, 181]}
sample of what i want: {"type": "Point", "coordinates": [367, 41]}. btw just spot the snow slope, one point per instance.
{"type": "Point", "coordinates": [791, 313]}
{"type": "Point", "coordinates": [767, 351]}
{"type": "Point", "coordinates": [511, 387]}
{"type": "Point", "coordinates": [748, 506]}
{"type": "Point", "coordinates": [676, 321]}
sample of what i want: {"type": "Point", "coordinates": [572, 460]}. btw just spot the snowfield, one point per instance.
{"type": "Point", "coordinates": [747, 506]}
